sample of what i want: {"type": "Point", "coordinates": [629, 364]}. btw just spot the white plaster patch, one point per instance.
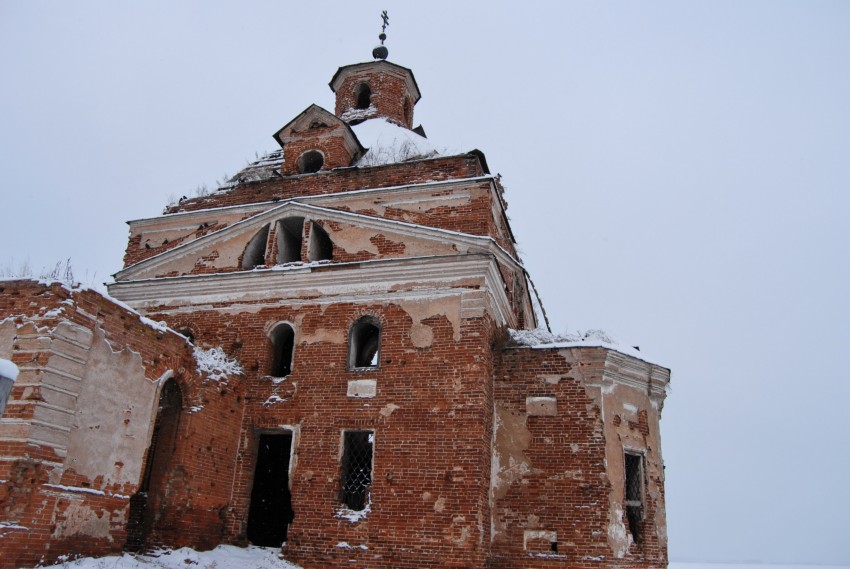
{"type": "Point", "coordinates": [82, 520]}
{"type": "Point", "coordinates": [388, 409]}
{"type": "Point", "coordinates": [541, 406]}
{"type": "Point", "coordinates": [618, 537]}
{"type": "Point", "coordinates": [538, 535]}
{"type": "Point", "coordinates": [110, 427]}
{"type": "Point", "coordinates": [550, 379]}
{"type": "Point", "coordinates": [440, 504]}
{"type": "Point", "coordinates": [364, 388]}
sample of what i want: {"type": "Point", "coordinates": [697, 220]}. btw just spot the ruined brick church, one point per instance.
{"type": "Point", "coordinates": [333, 352]}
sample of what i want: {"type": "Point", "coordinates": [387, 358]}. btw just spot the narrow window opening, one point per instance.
{"type": "Point", "coordinates": [356, 475]}
{"type": "Point", "coordinates": [289, 237]}
{"type": "Point", "coordinates": [283, 341]}
{"type": "Point", "coordinates": [634, 494]}
{"type": "Point", "coordinates": [365, 343]}
{"type": "Point", "coordinates": [407, 114]}
{"type": "Point", "coordinates": [364, 96]}
{"type": "Point", "coordinates": [553, 547]}
{"type": "Point", "coordinates": [270, 512]}
{"type": "Point", "coordinates": [311, 161]}
{"type": "Point", "coordinates": [321, 248]}
{"type": "Point", "coordinates": [255, 251]}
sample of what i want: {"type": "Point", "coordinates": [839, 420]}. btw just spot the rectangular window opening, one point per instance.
{"type": "Point", "coordinates": [634, 494]}
{"type": "Point", "coordinates": [356, 475]}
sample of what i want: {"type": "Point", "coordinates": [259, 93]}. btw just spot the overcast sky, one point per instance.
{"type": "Point", "coordinates": [677, 175]}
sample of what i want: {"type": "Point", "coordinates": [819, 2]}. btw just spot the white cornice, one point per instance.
{"type": "Point", "coordinates": [370, 281]}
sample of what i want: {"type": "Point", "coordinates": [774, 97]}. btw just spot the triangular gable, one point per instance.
{"type": "Point", "coordinates": [310, 119]}
{"type": "Point", "coordinates": [231, 241]}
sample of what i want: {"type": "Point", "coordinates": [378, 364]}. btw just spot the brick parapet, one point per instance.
{"type": "Point", "coordinates": [338, 180]}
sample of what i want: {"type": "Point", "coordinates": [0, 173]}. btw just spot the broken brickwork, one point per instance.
{"type": "Point", "coordinates": [384, 413]}
{"type": "Point", "coordinates": [74, 436]}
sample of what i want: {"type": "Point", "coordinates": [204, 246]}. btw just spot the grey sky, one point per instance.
{"type": "Point", "coordinates": [677, 175]}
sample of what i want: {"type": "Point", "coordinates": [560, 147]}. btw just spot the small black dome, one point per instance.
{"type": "Point", "coordinates": [380, 52]}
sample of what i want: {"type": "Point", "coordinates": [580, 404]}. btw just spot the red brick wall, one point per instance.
{"type": "Point", "coordinates": [431, 461]}
{"type": "Point", "coordinates": [389, 96]}
{"type": "Point", "coordinates": [328, 140]}
{"type": "Point", "coordinates": [567, 486]}
{"type": "Point", "coordinates": [339, 180]}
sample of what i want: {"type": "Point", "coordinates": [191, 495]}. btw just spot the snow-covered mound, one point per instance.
{"type": "Point", "coordinates": [222, 557]}
{"type": "Point", "coordinates": [389, 143]}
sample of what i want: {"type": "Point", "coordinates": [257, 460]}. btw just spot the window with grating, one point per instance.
{"type": "Point", "coordinates": [356, 476]}
{"type": "Point", "coordinates": [634, 493]}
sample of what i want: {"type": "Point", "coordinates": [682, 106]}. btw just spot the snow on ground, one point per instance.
{"type": "Point", "coordinates": [232, 557]}
{"type": "Point", "coordinates": [222, 557]}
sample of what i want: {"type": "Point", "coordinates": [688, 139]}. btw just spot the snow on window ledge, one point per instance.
{"type": "Point", "coordinates": [354, 516]}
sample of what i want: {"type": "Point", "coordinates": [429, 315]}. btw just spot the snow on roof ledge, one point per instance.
{"type": "Point", "coordinates": [8, 370]}
{"type": "Point", "coordinates": [542, 339]}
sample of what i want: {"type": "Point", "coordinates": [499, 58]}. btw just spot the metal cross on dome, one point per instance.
{"type": "Point", "coordinates": [386, 20]}
{"type": "Point", "coordinates": [381, 52]}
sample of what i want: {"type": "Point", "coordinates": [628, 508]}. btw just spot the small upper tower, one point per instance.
{"type": "Point", "coordinates": [376, 89]}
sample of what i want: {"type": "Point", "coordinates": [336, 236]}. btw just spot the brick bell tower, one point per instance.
{"type": "Point", "coordinates": [376, 89]}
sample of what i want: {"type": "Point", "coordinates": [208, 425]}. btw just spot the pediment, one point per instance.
{"type": "Point", "coordinates": [294, 232]}
{"type": "Point", "coordinates": [315, 121]}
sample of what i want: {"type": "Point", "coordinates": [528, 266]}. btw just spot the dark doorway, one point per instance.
{"type": "Point", "coordinates": [145, 504]}
{"type": "Point", "coordinates": [271, 503]}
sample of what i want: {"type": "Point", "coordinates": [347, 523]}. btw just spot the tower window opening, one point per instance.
{"type": "Point", "coordinates": [255, 251]}
{"type": "Point", "coordinates": [321, 248]}
{"type": "Point", "coordinates": [634, 493]}
{"type": "Point", "coordinates": [310, 162]}
{"type": "Point", "coordinates": [364, 96]}
{"type": "Point", "coordinates": [356, 469]}
{"type": "Point", "coordinates": [283, 345]}
{"type": "Point", "coordinates": [289, 238]}
{"type": "Point", "coordinates": [408, 116]}
{"type": "Point", "coordinates": [365, 343]}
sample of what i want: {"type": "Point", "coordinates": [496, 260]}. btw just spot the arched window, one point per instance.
{"type": "Point", "coordinates": [255, 251]}
{"type": "Point", "coordinates": [321, 248]}
{"type": "Point", "coordinates": [187, 333]}
{"type": "Point", "coordinates": [364, 96]}
{"type": "Point", "coordinates": [364, 343]}
{"type": "Point", "coordinates": [289, 232]}
{"type": "Point", "coordinates": [311, 161]}
{"type": "Point", "coordinates": [408, 116]}
{"type": "Point", "coordinates": [283, 343]}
